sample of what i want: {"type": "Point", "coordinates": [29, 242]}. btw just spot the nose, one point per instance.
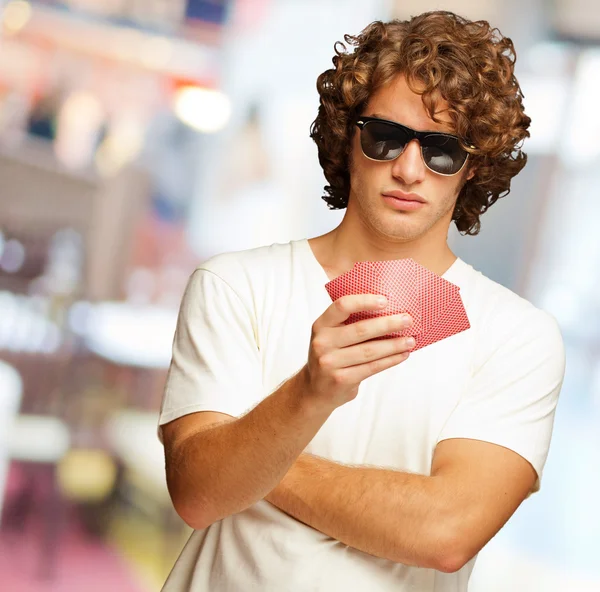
{"type": "Point", "coordinates": [409, 166]}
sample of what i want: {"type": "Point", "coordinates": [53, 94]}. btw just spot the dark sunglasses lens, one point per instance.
{"type": "Point", "coordinates": [381, 141]}
{"type": "Point", "coordinates": [443, 154]}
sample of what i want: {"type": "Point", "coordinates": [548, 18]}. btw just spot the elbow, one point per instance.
{"type": "Point", "coordinates": [452, 553]}
{"type": "Point", "coordinates": [450, 562]}
{"type": "Point", "coordinates": [195, 515]}
{"type": "Point", "coordinates": [192, 509]}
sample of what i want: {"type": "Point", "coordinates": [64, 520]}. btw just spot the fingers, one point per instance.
{"type": "Point", "coordinates": [341, 356]}
{"type": "Point", "coordinates": [369, 329]}
{"type": "Point", "coordinates": [343, 307]}
{"type": "Point", "coordinates": [365, 354]}
{"type": "Point", "coordinates": [356, 374]}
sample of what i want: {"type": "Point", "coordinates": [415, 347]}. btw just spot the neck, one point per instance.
{"type": "Point", "coordinates": [338, 250]}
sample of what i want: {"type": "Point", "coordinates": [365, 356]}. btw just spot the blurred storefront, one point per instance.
{"type": "Point", "coordinates": [97, 159]}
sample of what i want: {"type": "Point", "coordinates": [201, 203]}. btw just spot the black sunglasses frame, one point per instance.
{"type": "Point", "coordinates": [361, 122]}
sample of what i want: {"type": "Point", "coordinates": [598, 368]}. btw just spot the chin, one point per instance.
{"type": "Point", "coordinates": [401, 225]}
{"type": "Point", "coordinates": [399, 234]}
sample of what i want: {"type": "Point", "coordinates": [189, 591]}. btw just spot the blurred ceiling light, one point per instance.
{"type": "Point", "coordinates": [156, 52]}
{"type": "Point", "coordinates": [203, 109]}
{"type": "Point", "coordinates": [13, 256]}
{"type": "Point", "coordinates": [16, 15]}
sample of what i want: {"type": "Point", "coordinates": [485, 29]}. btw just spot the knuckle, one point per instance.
{"type": "Point", "coordinates": [314, 330]}
{"type": "Point", "coordinates": [367, 351]}
{"type": "Point", "coordinates": [325, 362]}
{"type": "Point", "coordinates": [319, 346]}
{"type": "Point", "coordinates": [338, 378]}
{"type": "Point", "coordinates": [360, 330]}
{"type": "Point", "coordinates": [341, 304]}
{"type": "Point", "coordinates": [375, 366]}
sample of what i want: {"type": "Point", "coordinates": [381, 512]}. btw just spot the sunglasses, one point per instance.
{"type": "Point", "coordinates": [381, 140]}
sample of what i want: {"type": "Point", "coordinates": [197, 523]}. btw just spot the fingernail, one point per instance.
{"type": "Point", "coordinates": [407, 321]}
{"type": "Point", "coordinates": [410, 342]}
{"type": "Point", "coordinates": [382, 301]}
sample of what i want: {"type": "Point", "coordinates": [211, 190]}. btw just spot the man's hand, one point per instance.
{"type": "Point", "coordinates": [258, 448]}
{"type": "Point", "coordinates": [341, 356]}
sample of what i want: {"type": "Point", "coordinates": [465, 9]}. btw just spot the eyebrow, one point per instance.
{"type": "Point", "coordinates": [381, 116]}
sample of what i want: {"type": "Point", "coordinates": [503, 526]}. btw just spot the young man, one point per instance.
{"type": "Point", "coordinates": [305, 454]}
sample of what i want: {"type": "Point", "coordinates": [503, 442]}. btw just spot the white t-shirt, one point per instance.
{"type": "Point", "coordinates": [244, 328]}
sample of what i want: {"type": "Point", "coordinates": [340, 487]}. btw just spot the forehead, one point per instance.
{"type": "Point", "coordinates": [397, 102]}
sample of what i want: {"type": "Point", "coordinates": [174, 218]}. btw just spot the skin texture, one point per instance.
{"type": "Point", "coordinates": [218, 465]}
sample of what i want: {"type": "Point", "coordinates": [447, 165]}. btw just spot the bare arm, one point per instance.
{"type": "Point", "coordinates": [439, 521]}
{"type": "Point", "coordinates": [222, 468]}
{"type": "Point", "coordinates": [217, 465]}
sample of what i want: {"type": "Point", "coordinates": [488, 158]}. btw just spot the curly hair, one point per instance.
{"type": "Point", "coordinates": [466, 63]}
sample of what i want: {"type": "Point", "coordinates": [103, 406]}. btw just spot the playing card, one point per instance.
{"type": "Point", "coordinates": [434, 303]}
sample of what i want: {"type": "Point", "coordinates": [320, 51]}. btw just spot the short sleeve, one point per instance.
{"type": "Point", "coordinates": [511, 399]}
{"type": "Point", "coordinates": [216, 364]}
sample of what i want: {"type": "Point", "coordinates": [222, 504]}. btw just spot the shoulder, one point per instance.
{"type": "Point", "coordinates": [247, 267]}
{"type": "Point", "coordinates": [503, 318]}
{"type": "Point", "coordinates": [254, 259]}
{"type": "Point", "coordinates": [245, 275]}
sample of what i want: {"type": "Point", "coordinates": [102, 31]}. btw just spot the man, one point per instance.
{"type": "Point", "coordinates": [308, 455]}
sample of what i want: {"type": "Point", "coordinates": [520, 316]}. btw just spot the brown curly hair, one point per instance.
{"type": "Point", "coordinates": [467, 63]}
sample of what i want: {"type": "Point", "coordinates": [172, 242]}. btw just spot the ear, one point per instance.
{"type": "Point", "coordinates": [471, 173]}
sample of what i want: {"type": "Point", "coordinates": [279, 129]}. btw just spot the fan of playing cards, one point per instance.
{"type": "Point", "coordinates": [433, 303]}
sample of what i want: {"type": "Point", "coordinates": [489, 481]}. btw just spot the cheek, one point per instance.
{"type": "Point", "coordinates": [361, 169]}
{"type": "Point", "coordinates": [443, 191]}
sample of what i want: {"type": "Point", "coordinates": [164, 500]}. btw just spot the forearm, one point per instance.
{"type": "Point", "coordinates": [227, 467]}
{"type": "Point", "coordinates": [399, 516]}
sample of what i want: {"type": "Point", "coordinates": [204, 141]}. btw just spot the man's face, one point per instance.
{"type": "Point", "coordinates": [369, 179]}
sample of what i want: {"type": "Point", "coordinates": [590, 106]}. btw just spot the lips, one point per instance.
{"type": "Point", "coordinates": [405, 196]}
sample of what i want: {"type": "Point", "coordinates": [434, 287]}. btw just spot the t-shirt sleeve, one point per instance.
{"type": "Point", "coordinates": [511, 399]}
{"type": "Point", "coordinates": [216, 364]}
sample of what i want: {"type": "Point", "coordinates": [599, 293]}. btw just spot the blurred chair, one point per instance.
{"type": "Point", "coordinates": [11, 388]}
{"type": "Point", "coordinates": [37, 443]}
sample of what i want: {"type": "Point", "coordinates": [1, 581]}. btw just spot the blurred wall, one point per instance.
{"type": "Point", "coordinates": [274, 66]}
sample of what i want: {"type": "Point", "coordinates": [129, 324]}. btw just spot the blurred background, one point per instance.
{"type": "Point", "coordinates": [137, 139]}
